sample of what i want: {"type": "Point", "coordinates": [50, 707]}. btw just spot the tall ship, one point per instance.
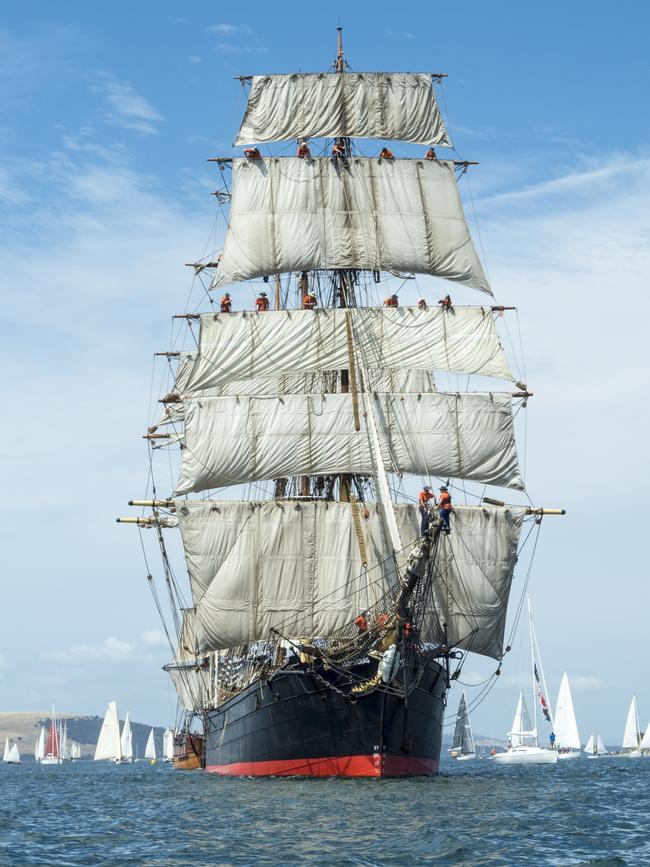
{"type": "Point", "coordinates": [329, 609]}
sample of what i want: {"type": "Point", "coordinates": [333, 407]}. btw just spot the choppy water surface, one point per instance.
{"type": "Point", "coordinates": [581, 812]}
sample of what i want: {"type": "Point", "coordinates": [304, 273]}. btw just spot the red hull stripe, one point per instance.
{"type": "Point", "coordinates": [335, 766]}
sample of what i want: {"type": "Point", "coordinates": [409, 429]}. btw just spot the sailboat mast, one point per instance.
{"type": "Point", "coordinates": [532, 671]}
{"type": "Point", "coordinates": [541, 674]}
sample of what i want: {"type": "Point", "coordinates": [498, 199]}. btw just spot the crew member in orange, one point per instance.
{"type": "Point", "coordinates": [338, 150]}
{"type": "Point", "coordinates": [430, 155]}
{"type": "Point", "coordinates": [444, 508]}
{"type": "Point", "coordinates": [385, 154]}
{"type": "Point", "coordinates": [425, 495]}
{"type": "Point", "coordinates": [303, 150]}
{"type": "Point", "coordinates": [226, 303]}
{"type": "Point", "coordinates": [391, 301]}
{"type": "Point", "coordinates": [252, 154]}
{"type": "Point", "coordinates": [309, 301]}
{"type": "Point", "coordinates": [446, 303]}
{"type": "Point", "coordinates": [262, 302]}
{"type": "Point", "coordinates": [422, 304]}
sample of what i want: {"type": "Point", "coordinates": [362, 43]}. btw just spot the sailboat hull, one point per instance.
{"type": "Point", "coordinates": [526, 756]}
{"type": "Point", "coordinates": [298, 726]}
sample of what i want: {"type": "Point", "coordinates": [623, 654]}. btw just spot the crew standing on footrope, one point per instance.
{"type": "Point", "coordinates": [226, 303]}
{"type": "Point", "coordinates": [426, 494]}
{"type": "Point", "coordinates": [309, 301]}
{"type": "Point", "coordinates": [262, 302]}
{"type": "Point", "coordinates": [444, 508]}
{"type": "Point", "coordinates": [391, 301]}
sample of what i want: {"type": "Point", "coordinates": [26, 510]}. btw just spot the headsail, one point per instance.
{"type": "Point", "coordinates": [109, 744]}
{"type": "Point", "coordinates": [565, 725]}
{"type": "Point", "coordinates": [403, 215]}
{"type": "Point", "coordinates": [397, 106]}
{"type": "Point", "coordinates": [523, 733]}
{"type": "Point", "coordinates": [631, 735]}
{"type": "Point", "coordinates": [150, 749]}
{"type": "Point", "coordinates": [39, 749]}
{"type": "Point", "coordinates": [239, 347]}
{"type": "Point", "coordinates": [230, 441]}
{"type": "Point", "coordinates": [126, 740]}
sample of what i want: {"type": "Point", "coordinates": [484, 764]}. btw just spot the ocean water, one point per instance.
{"type": "Point", "coordinates": [475, 813]}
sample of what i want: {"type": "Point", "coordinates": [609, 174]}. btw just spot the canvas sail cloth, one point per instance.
{"type": "Point", "coordinates": [254, 566]}
{"type": "Point", "coordinates": [390, 381]}
{"type": "Point", "coordinates": [230, 441]}
{"type": "Point", "coordinates": [565, 725]}
{"type": "Point", "coordinates": [398, 106]}
{"type": "Point", "coordinates": [463, 741]}
{"type": "Point", "coordinates": [248, 346]}
{"type": "Point", "coordinates": [109, 746]}
{"type": "Point", "coordinates": [523, 734]}
{"type": "Point", "coordinates": [39, 749]}
{"type": "Point", "coordinates": [189, 671]}
{"type": "Point", "coordinates": [150, 749]}
{"type": "Point", "coordinates": [290, 214]}
{"type": "Point", "coordinates": [631, 735]}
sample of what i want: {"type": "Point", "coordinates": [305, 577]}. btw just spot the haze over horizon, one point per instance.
{"type": "Point", "coordinates": [104, 188]}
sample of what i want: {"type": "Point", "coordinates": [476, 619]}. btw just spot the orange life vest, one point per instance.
{"type": "Point", "coordinates": [262, 303]}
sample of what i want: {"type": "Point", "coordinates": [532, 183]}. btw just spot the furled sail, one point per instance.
{"type": "Point", "coordinates": [253, 346]}
{"type": "Point", "coordinates": [231, 440]}
{"type": "Point", "coordinates": [399, 106]}
{"type": "Point", "coordinates": [565, 725]}
{"type": "Point", "coordinates": [403, 215]}
{"type": "Point", "coordinates": [297, 567]}
{"type": "Point", "coordinates": [472, 577]}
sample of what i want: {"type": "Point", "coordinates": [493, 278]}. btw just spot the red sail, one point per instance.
{"type": "Point", "coordinates": [53, 747]}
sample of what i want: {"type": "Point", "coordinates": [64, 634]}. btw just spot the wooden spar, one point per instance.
{"type": "Point", "coordinates": [141, 522]}
{"type": "Point", "coordinates": [168, 354]}
{"type": "Point", "coordinates": [157, 436]}
{"type": "Point", "coordinates": [500, 309]}
{"type": "Point", "coordinates": [163, 504]}
{"type": "Point", "coordinates": [186, 316]}
{"type": "Point", "coordinates": [522, 394]}
{"type": "Point", "coordinates": [278, 285]}
{"type": "Point", "coordinates": [201, 266]}
{"type": "Point", "coordinates": [529, 509]}
{"type": "Point", "coordinates": [463, 163]}
{"type": "Point", "coordinates": [358, 529]}
{"type": "Point", "coordinates": [339, 66]}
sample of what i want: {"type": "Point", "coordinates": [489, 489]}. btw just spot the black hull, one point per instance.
{"type": "Point", "coordinates": [298, 726]}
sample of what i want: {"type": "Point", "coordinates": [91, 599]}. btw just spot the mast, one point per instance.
{"type": "Point", "coordinates": [532, 673]}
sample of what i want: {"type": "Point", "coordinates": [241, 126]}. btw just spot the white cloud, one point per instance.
{"type": "Point", "coordinates": [586, 681]}
{"type": "Point", "coordinates": [195, 60]}
{"type": "Point", "coordinates": [126, 107]}
{"type": "Point", "coordinates": [229, 29]}
{"type": "Point", "coordinates": [112, 650]}
{"type": "Point", "coordinates": [154, 638]}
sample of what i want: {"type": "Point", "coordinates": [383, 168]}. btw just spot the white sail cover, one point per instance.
{"type": "Point", "coordinates": [399, 106]}
{"type": "Point", "coordinates": [631, 735]}
{"type": "Point", "coordinates": [126, 740]}
{"type": "Point", "coordinates": [231, 440]}
{"type": "Point", "coordinates": [523, 734]}
{"type": "Point", "coordinates": [254, 566]}
{"type": "Point", "coordinates": [256, 346]}
{"type": "Point", "coordinates": [39, 749]}
{"type": "Point", "coordinates": [150, 749]}
{"type": "Point", "coordinates": [109, 743]}
{"type": "Point", "coordinates": [168, 746]}
{"type": "Point", "coordinates": [565, 725]}
{"type": "Point", "coordinates": [401, 215]}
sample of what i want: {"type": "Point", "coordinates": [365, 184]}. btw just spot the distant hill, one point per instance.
{"type": "Point", "coordinates": [24, 729]}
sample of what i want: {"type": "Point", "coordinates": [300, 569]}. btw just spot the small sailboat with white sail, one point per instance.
{"type": "Point", "coordinates": [567, 738]}
{"type": "Point", "coordinates": [462, 747]}
{"type": "Point", "coordinates": [127, 740]}
{"type": "Point", "coordinates": [39, 748]}
{"type": "Point", "coordinates": [595, 747]}
{"type": "Point", "coordinates": [52, 750]}
{"type": "Point", "coordinates": [150, 749]}
{"type": "Point", "coordinates": [168, 746]}
{"type": "Point", "coordinates": [523, 745]}
{"type": "Point", "coordinates": [109, 746]}
{"type": "Point", "coordinates": [11, 755]}
{"type": "Point", "coordinates": [632, 736]}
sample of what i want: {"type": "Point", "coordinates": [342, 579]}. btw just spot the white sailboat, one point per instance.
{"type": "Point", "coordinates": [150, 749]}
{"type": "Point", "coordinates": [595, 746]}
{"type": "Point", "coordinates": [523, 744]}
{"type": "Point", "coordinates": [644, 746]}
{"type": "Point", "coordinates": [109, 747]}
{"type": "Point", "coordinates": [5, 755]}
{"type": "Point", "coordinates": [75, 751]}
{"type": "Point", "coordinates": [127, 740]}
{"type": "Point", "coordinates": [39, 749]}
{"type": "Point", "coordinates": [168, 746]}
{"type": "Point", "coordinates": [462, 747]}
{"type": "Point", "coordinates": [567, 738]}
{"type": "Point", "coordinates": [632, 735]}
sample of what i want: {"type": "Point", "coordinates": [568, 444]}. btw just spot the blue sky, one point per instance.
{"type": "Point", "coordinates": [109, 117]}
